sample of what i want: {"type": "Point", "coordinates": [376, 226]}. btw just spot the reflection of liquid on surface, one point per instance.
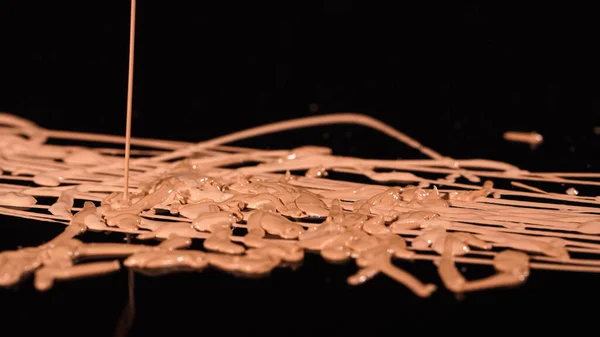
{"type": "Point", "coordinates": [125, 321]}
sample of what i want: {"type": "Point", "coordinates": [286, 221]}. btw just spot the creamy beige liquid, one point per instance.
{"type": "Point", "coordinates": [531, 138]}
{"type": "Point", "coordinates": [369, 224]}
{"type": "Point", "coordinates": [454, 219]}
{"type": "Point", "coordinates": [129, 101]}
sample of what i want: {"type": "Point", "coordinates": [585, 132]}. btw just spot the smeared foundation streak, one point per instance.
{"type": "Point", "coordinates": [46, 276]}
{"type": "Point", "coordinates": [532, 138]}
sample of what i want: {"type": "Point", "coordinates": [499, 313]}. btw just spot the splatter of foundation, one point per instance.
{"type": "Point", "coordinates": [434, 209]}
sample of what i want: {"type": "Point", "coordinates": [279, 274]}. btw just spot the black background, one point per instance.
{"type": "Point", "coordinates": [453, 75]}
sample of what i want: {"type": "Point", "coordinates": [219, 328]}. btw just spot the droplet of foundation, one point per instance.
{"type": "Point", "coordinates": [206, 221]}
{"type": "Point", "coordinates": [64, 203]}
{"type": "Point", "coordinates": [125, 221]}
{"type": "Point", "coordinates": [94, 221]}
{"type": "Point", "coordinates": [16, 199]}
{"type": "Point", "coordinates": [375, 225]}
{"type": "Point", "coordinates": [532, 138]}
{"type": "Point", "coordinates": [46, 180]}
{"type": "Point", "coordinates": [276, 224]}
{"type": "Point", "coordinates": [316, 172]}
{"type": "Point", "coordinates": [312, 205]}
{"type": "Point", "coordinates": [514, 262]}
{"type": "Point", "coordinates": [572, 191]}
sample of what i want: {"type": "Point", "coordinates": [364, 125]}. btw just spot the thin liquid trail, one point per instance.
{"type": "Point", "coordinates": [125, 322]}
{"type": "Point", "coordinates": [304, 122]}
{"type": "Point", "coordinates": [129, 101]}
{"type": "Point", "coordinates": [126, 319]}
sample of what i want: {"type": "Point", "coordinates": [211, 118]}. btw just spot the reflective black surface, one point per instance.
{"type": "Point", "coordinates": [454, 76]}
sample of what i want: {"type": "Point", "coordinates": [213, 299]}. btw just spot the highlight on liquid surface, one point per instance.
{"type": "Point", "coordinates": [258, 217]}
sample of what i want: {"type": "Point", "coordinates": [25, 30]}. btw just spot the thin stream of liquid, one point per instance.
{"type": "Point", "coordinates": [129, 101]}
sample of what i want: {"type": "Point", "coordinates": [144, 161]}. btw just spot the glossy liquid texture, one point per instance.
{"type": "Point", "coordinates": [532, 138]}
{"type": "Point", "coordinates": [460, 217]}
